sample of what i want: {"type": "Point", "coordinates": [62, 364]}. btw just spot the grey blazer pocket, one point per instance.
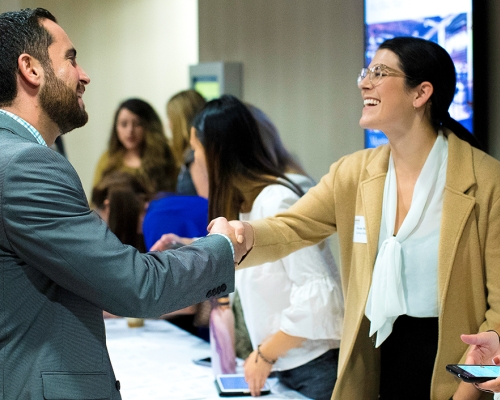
{"type": "Point", "coordinates": [76, 386]}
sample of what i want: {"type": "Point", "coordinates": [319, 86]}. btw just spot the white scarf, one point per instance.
{"type": "Point", "coordinates": [386, 300]}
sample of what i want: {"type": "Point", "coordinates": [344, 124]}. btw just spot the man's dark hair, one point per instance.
{"type": "Point", "coordinates": [21, 32]}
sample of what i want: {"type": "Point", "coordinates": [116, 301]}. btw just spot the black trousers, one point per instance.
{"type": "Point", "coordinates": [407, 359]}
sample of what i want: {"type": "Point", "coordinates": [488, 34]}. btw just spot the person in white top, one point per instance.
{"type": "Point", "coordinates": [293, 308]}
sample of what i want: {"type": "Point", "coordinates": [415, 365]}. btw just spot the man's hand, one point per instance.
{"type": "Point", "coordinates": [484, 350]}
{"type": "Point", "coordinates": [256, 372]}
{"type": "Point", "coordinates": [221, 225]}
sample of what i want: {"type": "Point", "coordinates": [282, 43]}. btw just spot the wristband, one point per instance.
{"type": "Point", "coordinates": [270, 362]}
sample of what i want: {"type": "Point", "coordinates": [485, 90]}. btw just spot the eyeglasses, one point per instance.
{"type": "Point", "coordinates": [376, 73]}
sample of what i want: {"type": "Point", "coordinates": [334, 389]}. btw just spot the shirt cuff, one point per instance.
{"type": "Point", "coordinates": [229, 241]}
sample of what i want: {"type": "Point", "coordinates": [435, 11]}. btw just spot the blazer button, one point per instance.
{"type": "Point", "coordinates": [223, 287]}
{"type": "Point", "coordinates": [218, 290]}
{"type": "Point", "coordinates": [117, 385]}
{"type": "Point", "coordinates": [209, 294]}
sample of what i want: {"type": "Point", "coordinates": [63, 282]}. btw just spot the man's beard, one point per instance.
{"type": "Point", "coordinates": [60, 103]}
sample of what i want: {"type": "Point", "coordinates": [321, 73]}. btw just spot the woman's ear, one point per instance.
{"type": "Point", "coordinates": [423, 94]}
{"type": "Point", "coordinates": [30, 70]}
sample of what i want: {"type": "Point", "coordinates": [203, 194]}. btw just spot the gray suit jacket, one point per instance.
{"type": "Point", "coordinates": [60, 267]}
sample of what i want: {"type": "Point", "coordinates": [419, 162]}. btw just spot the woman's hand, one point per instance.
{"type": "Point", "coordinates": [256, 372]}
{"type": "Point", "coordinates": [484, 347]}
{"type": "Point", "coordinates": [169, 239]}
{"type": "Point", "coordinates": [485, 350]}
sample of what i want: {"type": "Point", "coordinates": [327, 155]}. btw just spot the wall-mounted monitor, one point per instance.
{"type": "Point", "coordinates": [446, 22]}
{"type": "Point", "coordinates": [213, 79]}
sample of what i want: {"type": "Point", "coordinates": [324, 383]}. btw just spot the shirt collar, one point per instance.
{"type": "Point", "coordinates": [27, 125]}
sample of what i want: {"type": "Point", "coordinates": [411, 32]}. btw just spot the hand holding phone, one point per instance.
{"type": "Point", "coordinates": [474, 373]}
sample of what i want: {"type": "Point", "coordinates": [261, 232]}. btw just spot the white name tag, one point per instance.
{"type": "Point", "coordinates": [359, 229]}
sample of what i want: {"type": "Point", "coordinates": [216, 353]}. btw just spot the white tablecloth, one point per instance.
{"type": "Point", "coordinates": [156, 362]}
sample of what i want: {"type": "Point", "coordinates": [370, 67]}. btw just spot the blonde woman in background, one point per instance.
{"type": "Point", "coordinates": [181, 109]}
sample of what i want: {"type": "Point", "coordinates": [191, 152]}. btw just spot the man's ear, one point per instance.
{"type": "Point", "coordinates": [423, 94]}
{"type": "Point", "coordinates": [30, 70]}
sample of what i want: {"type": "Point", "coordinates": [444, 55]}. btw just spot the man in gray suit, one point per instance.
{"type": "Point", "coordinates": [60, 266]}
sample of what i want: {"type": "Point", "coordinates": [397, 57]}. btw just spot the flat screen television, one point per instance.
{"type": "Point", "coordinates": [450, 24]}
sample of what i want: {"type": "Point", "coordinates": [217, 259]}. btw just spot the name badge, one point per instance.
{"type": "Point", "coordinates": [359, 229]}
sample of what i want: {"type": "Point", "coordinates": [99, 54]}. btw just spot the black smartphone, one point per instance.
{"type": "Point", "coordinates": [206, 362]}
{"type": "Point", "coordinates": [474, 373]}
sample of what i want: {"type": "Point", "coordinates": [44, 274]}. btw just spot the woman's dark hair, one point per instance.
{"type": "Point", "coordinates": [21, 32]}
{"type": "Point", "coordinates": [235, 155]}
{"type": "Point", "coordinates": [157, 159]}
{"type": "Point", "coordinates": [127, 197]}
{"type": "Point", "coordinates": [422, 60]}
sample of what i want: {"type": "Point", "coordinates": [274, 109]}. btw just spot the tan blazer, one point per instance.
{"type": "Point", "coordinates": [468, 264]}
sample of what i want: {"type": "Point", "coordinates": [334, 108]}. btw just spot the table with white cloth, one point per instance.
{"type": "Point", "coordinates": [156, 362]}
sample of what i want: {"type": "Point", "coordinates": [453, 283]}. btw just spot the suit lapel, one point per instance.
{"type": "Point", "coordinates": [372, 190]}
{"type": "Point", "coordinates": [457, 205]}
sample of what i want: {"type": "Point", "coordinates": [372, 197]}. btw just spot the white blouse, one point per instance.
{"type": "Point", "coordinates": [299, 294]}
{"type": "Point", "coordinates": [409, 259]}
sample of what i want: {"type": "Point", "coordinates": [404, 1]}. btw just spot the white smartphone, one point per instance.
{"type": "Point", "coordinates": [235, 385]}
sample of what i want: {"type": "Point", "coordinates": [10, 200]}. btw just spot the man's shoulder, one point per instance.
{"type": "Point", "coordinates": [21, 158]}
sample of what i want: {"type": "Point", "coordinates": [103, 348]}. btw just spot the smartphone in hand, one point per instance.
{"type": "Point", "coordinates": [474, 373]}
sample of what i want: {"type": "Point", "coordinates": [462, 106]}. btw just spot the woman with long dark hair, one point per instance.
{"type": "Point", "coordinates": [138, 146]}
{"type": "Point", "coordinates": [418, 222]}
{"type": "Point", "coordinates": [121, 200]}
{"type": "Point", "coordinates": [292, 307]}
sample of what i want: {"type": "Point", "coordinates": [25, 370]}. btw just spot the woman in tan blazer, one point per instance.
{"type": "Point", "coordinates": [418, 221]}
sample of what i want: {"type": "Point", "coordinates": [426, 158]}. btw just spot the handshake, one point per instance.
{"type": "Point", "coordinates": [240, 234]}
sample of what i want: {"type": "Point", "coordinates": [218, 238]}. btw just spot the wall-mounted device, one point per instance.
{"type": "Point", "coordinates": [213, 79]}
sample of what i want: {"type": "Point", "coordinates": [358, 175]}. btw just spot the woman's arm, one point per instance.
{"type": "Point", "coordinates": [259, 363]}
{"type": "Point", "coordinates": [169, 239]}
{"type": "Point", "coordinates": [309, 221]}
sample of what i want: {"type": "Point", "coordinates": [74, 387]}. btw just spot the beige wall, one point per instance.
{"type": "Point", "coordinates": [300, 61]}
{"type": "Point", "coordinates": [129, 48]}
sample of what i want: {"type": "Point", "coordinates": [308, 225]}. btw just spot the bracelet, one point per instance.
{"type": "Point", "coordinates": [270, 362]}
{"type": "Point", "coordinates": [492, 330]}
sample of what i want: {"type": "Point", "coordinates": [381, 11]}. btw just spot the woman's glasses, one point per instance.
{"type": "Point", "coordinates": [376, 73]}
